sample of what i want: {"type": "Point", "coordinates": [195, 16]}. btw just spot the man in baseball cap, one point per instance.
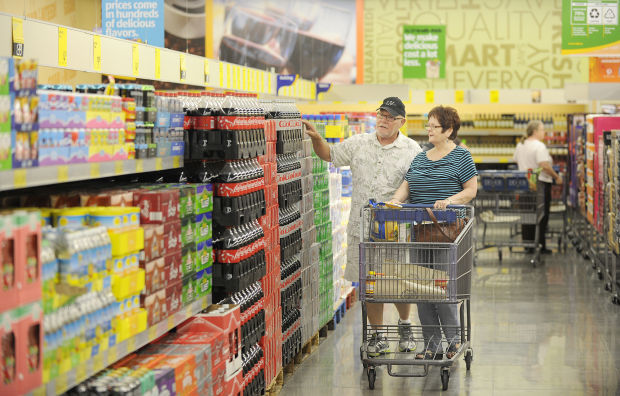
{"type": "Point", "coordinates": [394, 106]}
{"type": "Point", "coordinates": [379, 161]}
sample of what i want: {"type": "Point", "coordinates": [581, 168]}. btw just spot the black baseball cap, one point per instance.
{"type": "Point", "coordinates": [394, 106]}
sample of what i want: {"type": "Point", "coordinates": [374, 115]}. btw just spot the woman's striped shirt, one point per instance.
{"type": "Point", "coordinates": [430, 181]}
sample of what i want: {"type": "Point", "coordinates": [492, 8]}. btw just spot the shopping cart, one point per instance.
{"type": "Point", "coordinates": [405, 258]}
{"type": "Point", "coordinates": [504, 204]}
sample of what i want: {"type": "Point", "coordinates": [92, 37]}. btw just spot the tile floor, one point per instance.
{"type": "Point", "coordinates": [550, 330]}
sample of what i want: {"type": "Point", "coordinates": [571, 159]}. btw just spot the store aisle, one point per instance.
{"type": "Point", "coordinates": [545, 331]}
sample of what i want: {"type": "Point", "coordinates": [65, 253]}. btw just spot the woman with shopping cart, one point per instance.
{"type": "Point", "coordinates": [442, 176]}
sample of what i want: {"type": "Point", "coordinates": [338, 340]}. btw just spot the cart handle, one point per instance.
{"type": "Point", "coordinates": [375, 204]}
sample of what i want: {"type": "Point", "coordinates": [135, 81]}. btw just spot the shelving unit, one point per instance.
{"type": "Point", "coordinates": [44, 175]}
{"type": "Point", "coordinates": [477, 132]}
{"type": "Point", "coordinates": [95, 53]}
{"type": "Point", "coordinates": [90, 367]}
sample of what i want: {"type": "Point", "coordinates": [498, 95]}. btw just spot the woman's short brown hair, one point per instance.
{"type": "Point", "coordinates": [448, 118]}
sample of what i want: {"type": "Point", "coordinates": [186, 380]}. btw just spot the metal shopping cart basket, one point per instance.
{"type": "Point", "coordinates": [503, 208]}
{"type": "Point", "coordinates": [412, 254]}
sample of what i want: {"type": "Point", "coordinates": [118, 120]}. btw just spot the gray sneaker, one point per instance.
{"type": "Point", "coordinates": [406, 342]}
{"type": "Point", "coordinates": [377, 345]}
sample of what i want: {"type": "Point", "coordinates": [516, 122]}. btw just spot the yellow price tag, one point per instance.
{"type": "Point", "coordinates": [189, 311]}
{"type": "Point", "coordinates": [459, 96]}
{"type": "Point", "coordinates": [152, 333]}
{"type": "Point", "coordinates": [206, 71]}
{"type": "Point", "coordinates": [97, 362]}
{"type": "Point", "coordinates": [19, 178]}
{"type": "Point", "coordinates": [118, 167]}
{"type": "Point", "coordinates": [18, 37]}
{"type": "Point", "coordinates": [95, 169]}
{"type": "Point", "coordinates": [135, 59]}
{"type": "Point", "coordinates": [221, 74]}
{"type": "Point", "coordinates": [61, 384]}
{"type": "Point", "coordinates": [139, 165]}
{"type": "Point", "coordinates": [63, 173]}
{"type": "Point", "coordinates": [80, 372]}
{"type": "Point", "coordinates": [239, 79]}
{"type": "Point", "coordinates": [261, 82]}
{"type": "Point", "coordinates": [112, 355]}
{"type": "Point", "coordinates": [477, 159]}
{"type": "Point", "coordinates": [40, 391]}
{"type": "Point", "coordinates": [229, 75]}
{"type": "Point", "coordinates": [131, 344]}
{"type": "Point", "coordinates": [62, 46]}
{"type": "Point", "coordinates": [157, 63]}
{"type": "Point", "coordinates": [204, 303]}
{"type": "Point", "coordinates": [246, 79]}
{"type": "Point", "coordinates": [158, 164]}
{"type": "Point", "coordinates": [170, 322]}
{"type": "Point", "coordinates": [183, 70]}
{"type": "Point", "coordinates": [97, 53]}
{"type": "Point", "coordinates": [176, 162]}
{"type": "Point", "coordinates": [269, 83]}
{"type": "Point", "coordinates": [430, 96]}
{"type": "Point", "coordinates": [494, 96]}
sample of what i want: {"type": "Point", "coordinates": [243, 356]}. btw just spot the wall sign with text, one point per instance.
{"type": "Point", "coordinates": [424, 51]}
{"type": "Point", "coordinates": [590, 27]}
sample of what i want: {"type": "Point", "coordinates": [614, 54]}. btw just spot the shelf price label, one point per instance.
{"type": "Point", "coordinates": [19, 178]}
{"type": "Point", "coordinates": [152, 333]}
{"type": "Point", "coordinates": [229, 72]}
{"type": "Point", "coordinates": [459, 96]}
{"type": "Point", "coordinates": [80, 372]}
{"type": "Point", "coordinates": [158, 164]}
{"type": "Point", "coordinates": [18, 37]}
{"type": "Point", "coordinates": [221, 74]}
{"type": "Point", "coordinates": [157, 63]}
{"type": "Point", "coordinates": [131, 344]}
{"type": "Point", "coordinates": [135, 59]}
{"type": "Point", "coordinates": [429, 96]}
{"type": "Point", "coordinates": [206, 71]}
{"type": "Point", "coordinates": [176, 162]}
{"type": "Point", "coordinates": [97, 52]}
{"type": "Point", "coordinates": [118, 167]}
{"type": "Point", "coordinates": [63, 173]}
{"type": "Point", "coordinates": [62, 46]}
{"type": "Point", "coordinates": [183, 69]}
{"type": "Point", "coordinates": [61, 384]}
{"type": "Point", "coordinates": [95, 170]}
{"type": "Point", "coordinates": [170, 322]}
{"type": "Point", "coordinates": [494, 96]}
{"type": "Point", "coordinates": [139, 165]}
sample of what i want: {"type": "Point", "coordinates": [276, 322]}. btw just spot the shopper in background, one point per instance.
{"type": "Point", "coordinates": [533, 154]}
{"type": "Point", "coordinates": [444, 175]}
{"type": "Point", "coordinates": [378, 161]}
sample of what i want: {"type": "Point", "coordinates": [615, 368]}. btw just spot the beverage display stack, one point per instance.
{"type": "Point", "coordinates": [339, 212]}
{"type": "Point", "coordinates": [310, 249]}
{"type": "Point", "coordinates": [226, 135]}
{"type": "Point", "coordinates": [289, 141]}
{"type": "Point", "coordinates": [272, 342]}
{"type": "Point", "coordinates": [323, 226]}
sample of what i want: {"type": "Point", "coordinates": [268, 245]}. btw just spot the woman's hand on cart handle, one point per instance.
{"type": "Point", "coordinates": [394, 203]}
{"type": "Point", "coordinates": [558, 180]}
{"type": "Point", "coordinates": [442, 203]}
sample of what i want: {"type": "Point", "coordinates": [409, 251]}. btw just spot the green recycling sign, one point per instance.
{"type": "Point", "coordinates": [590, 27]}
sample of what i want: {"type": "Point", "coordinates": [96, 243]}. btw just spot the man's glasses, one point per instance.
{"type": "Point", "coordinates": [388, 117]}
{"type": "Point", "coordinates": [429, 126]}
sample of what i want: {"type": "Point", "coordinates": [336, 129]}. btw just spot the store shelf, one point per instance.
{"type": "Point", "coordinates": [492, 159]}
{"type": "Point", "coordinates": [45, 175]}
{"type": "Point", "coordinates": [131, 59]}
{"type": "Point", "coordinates": [477, 132]}
{"type": "Point", "coordinates": [105, 358]}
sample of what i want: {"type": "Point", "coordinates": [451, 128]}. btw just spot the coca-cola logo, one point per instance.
{"type": "Point", "coordinates": [233, 189]}
{"type": "Point", "coordinates": [174, 272]}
